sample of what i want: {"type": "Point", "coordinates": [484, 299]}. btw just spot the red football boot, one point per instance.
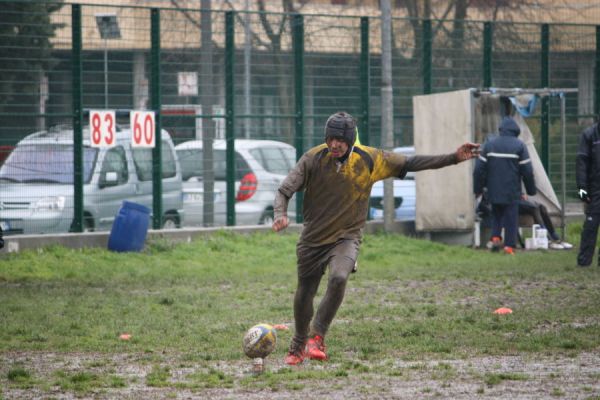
{"type": "Point", "coordinates": [496, 243]}
{"type": "Point", "coordinates": [315, 348]}
{"type": "Point", "coordinates": [294, 357]}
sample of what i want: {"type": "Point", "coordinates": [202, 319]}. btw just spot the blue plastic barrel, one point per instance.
{"type": "Point", "coordinates": [130, 228]}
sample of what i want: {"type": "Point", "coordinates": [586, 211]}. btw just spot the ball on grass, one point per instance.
{"type": "Point", "coordinates": [259, 341]}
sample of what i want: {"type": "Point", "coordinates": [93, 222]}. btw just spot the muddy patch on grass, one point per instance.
{"type": "Point", "coordinates": [42, 375]}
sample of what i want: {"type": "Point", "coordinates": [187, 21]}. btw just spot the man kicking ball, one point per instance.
{"type": "Point", "coordinates": [336, 178]}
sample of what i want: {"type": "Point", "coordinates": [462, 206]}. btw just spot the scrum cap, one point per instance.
{"type": "Point", "coordinates": [341, 125]}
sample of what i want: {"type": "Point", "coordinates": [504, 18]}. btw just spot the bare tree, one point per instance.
{"type": "Point", "coordinates": [275, 29]}
{"type": "Point", "coordinates": [441, 11]}
{"type": "Point", "coordinates": [207, 99]}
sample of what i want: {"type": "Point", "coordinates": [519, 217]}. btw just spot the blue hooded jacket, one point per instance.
{"type": "Point", "coordinates": [503, 162]}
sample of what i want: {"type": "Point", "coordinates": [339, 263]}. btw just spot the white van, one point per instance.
{"type": "Point", "coordinates": [37, 190]}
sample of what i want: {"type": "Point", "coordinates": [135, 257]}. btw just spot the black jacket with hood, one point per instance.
{"type": "Point", "coordinates": [503, 162]}
{"type": "Point", "coordinates": [587, 166]}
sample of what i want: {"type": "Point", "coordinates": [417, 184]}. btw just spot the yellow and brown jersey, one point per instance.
{"type": "Point", "coordinates": [336, 195]}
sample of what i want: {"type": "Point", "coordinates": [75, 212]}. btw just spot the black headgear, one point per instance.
{"type": "Point", "coordinates": [341, 125]}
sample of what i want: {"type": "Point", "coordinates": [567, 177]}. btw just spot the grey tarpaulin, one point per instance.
{"type": "Point", "coordinates": [442, 122]}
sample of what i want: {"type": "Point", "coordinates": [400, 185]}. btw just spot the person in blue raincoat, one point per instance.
{"type": "Point", "coordinates": [501, 167]}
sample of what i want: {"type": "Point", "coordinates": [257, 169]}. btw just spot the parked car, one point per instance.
{"type": "Point", "coordinates": [4, 152]}
{"type": "Point", "coordinates": [404, 194]}
{"type": "Point", "coordinates": [36, 182]}
{"type": "Point", "coordinates": [260, 167]}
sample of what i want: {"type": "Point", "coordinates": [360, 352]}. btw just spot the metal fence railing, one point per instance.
{"type": "Point", "coordinates": [212, 76]}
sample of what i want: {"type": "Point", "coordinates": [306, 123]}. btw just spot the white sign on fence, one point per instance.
{"type": "Point", "coordinates": [103, 128]}
{"type": "Point", "coordinates": [187, 83]}
{"type": "Point", "coordinates": [142, 128]}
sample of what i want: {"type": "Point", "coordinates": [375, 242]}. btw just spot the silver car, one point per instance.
{"type": "Point", "coordinates": [405, 194]}
{"type": "Point", "coordinates": [36, 182]}
{"type": "Point", "coordinates": [260, 166]}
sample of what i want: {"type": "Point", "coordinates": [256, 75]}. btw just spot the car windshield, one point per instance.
{"type": "Point", "coordinates": [192, 164]}
{"type": "Point", "coordinates": [275, 160]}
{"type": "Point", "coordinates": [46, 163]}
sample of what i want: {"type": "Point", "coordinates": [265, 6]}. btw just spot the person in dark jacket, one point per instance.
{"type": "Point", "coordinates": [587, 175]}
{"type": "Point", "coordinates": [504, 161]}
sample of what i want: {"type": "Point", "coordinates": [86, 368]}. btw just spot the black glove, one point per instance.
{"type": "Point", "coordinates": [583, 195]}
{"type": "Point", "coordinates": [484, 208]}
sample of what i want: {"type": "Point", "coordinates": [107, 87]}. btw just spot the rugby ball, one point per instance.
{"type": "Point", "coordinates": [259, 341]}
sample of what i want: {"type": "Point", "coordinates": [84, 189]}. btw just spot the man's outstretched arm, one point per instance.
{"type": "Point", "coordinates": [465, 152]}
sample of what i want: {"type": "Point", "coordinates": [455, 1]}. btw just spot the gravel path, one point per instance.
{"type": "Point", "coordinates": [505, 377]}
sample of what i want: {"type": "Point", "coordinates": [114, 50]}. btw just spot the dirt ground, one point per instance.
{"type": "Point", "coordinates": [506, 377]}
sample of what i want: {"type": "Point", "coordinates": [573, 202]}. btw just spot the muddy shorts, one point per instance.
{"type": "Point", "coordinates": [314, 260]}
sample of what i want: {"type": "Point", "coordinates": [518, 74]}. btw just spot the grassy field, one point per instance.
{"type": "Point", "coordinates": [417, 320]}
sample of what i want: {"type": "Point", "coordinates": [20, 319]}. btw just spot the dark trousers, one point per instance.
{"type": "Point", "coordinates": [506, 216]}
{"type": "Point", "coordinates": [312, 263]}
{"type": "Point", "coordinates": [539, 212]}
{"type": "Point", "coordinates": [589, 235]}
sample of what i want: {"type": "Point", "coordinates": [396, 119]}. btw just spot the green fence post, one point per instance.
{"type": "Point", "coordinates": [365, 86]}
{"type": "Point", "coordinates": [427, 60]}
{"type": "Point", "coordinates": [157, 204]}
{"type": "Point", "coordinates": [487, 54]}
{"type": "Point", "coordinates": [545, 69]}
{"type": "Point", "coordinates": [77, 224]}
{"type": "Point", "coordinates": [597, 75]}
{"type": "Point", "coordinates": [298, 46]}
{"type": "Point", "coordinates": [230, 114]}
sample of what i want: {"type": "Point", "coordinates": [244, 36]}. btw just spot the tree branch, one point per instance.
{"type": "Point", "coordinates": [185, 13]}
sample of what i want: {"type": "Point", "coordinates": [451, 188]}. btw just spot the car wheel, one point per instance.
{"type": "Point", "coordinates": [267, 218]}
{"type": "Point", "coordinates": [170, 222]}
{"type": "Point", "coordinates": [88, 224]}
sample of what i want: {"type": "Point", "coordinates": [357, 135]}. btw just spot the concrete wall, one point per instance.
{"type": "Point", "coordinates": [100, 239]}
{"type": "Point", "coordinates": [574, 213]}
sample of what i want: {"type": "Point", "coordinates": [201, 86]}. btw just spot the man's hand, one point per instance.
{"type": "Point", "coordinates": [280, 223]}
{"type": "Point", "coordinates": [467, 151]}
{"type": "Point", "coordinates": [584, 196]}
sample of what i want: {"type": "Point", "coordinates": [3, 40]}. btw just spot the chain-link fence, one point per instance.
{"type": "Point", "coordinates": [215, 76]}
